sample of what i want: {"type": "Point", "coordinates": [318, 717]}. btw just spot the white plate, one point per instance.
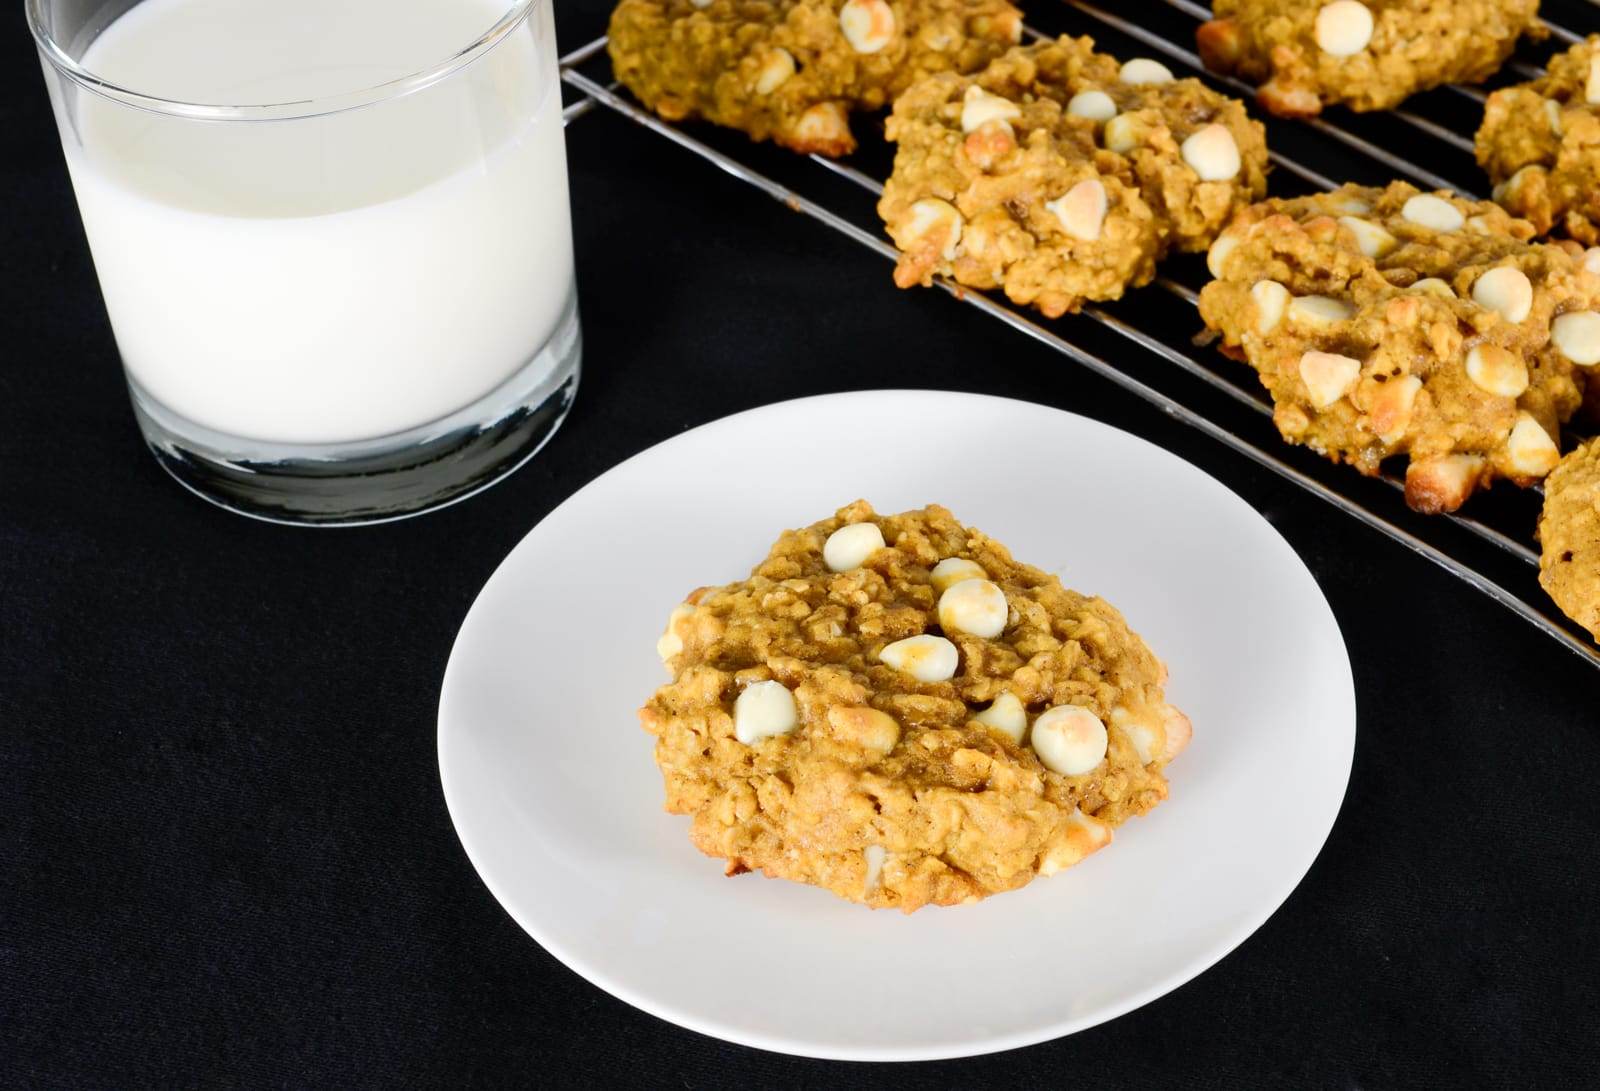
{"type": "Point", "coordinates": [551, 785]}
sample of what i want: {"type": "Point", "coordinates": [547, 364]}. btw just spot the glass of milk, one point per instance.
{"type": "Point", "coordinates": [333, 239]}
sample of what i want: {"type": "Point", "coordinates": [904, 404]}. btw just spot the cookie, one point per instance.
{"type": "Point", "coordinates": [1569, 534]}
{"type": "Point", "coordinates": [893, 708]}
{"type": "Point", "coordinates": [1307, 54]}
{"type": "Point", "coordinates": [1388, 322]}
{"type": "Point", "coordinates": [1062, 175]}
{"type": "Point", "coordinates": [1540, 143]}
{"type": "Point", "coordinates": [792, 70]}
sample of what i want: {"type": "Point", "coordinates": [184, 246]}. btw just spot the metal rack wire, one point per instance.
{"type": "Point", "coordinates": [1511, 542]}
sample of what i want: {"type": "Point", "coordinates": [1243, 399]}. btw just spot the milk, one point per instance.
{"type": "Point", "coordinates": [334, 278]}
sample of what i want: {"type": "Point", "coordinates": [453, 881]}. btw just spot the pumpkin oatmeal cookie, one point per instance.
{"type": "Point", "coordinates": [1569, 532]}
{"type": "Point", "coordinates": [1540, 143]}
{"type": "Point", "coordinates": [1062, 175]}
{"type": "Point", "coordinates": [1389, 322]}
{"type": "Point", "coordinates": [792, 70]}
{"type": "Point", "coordinates": [1307, 54]}
{"type": "Point", "coordinates": [893, 708]}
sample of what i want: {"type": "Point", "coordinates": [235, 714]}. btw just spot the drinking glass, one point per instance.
{"type": "Point", "coordinates": [341, 299]}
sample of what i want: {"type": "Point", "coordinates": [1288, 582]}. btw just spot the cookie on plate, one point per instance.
{"type": "Point", "coordinates": [1307, 54]}
{"type": "Point", "coordinates": [1569, 534]}
{"type": "Point", "coordinates": [1388, 322]}
{"type": "Point", "coordinates": [1062, 175]}
{"type": "Point", "coordinates": [792, 70]}
{"type": "Point", "coordinates": [1540, 143]}
{"type": "Point", "coordinates": [893, 708]}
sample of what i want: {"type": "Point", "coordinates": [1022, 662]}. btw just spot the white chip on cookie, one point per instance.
{"type": "Point", "coordinates": [1081, 211]}
{"type": "Point", "coordinates": [1328, 376]}
{"type": "Point", "coordinates": [952, 570]}
{"type": "Point", "coordinates": [937, 223]}
{"type": "Point", "coordinates": [977, 607]}
{"type": "Point", "coordinates": [1497, 370]}
{"type": "Point", "coordinates": [1094, 105]}
{"type": "Point", "coordinates": [1389, 410]}
{"type": "Point", "coordinates": [1217, 256]}
{"type": "Point", "coordinates": [1506, 290]}
{"type": "Point", "coordinates": [775, 71]}
{"type": "Point", "coordinates": [1006, 715]}
{"type": "Point", "coordinates": [1373, 240]}
{"type": "Point", "coordinates": [1343, 28]}
{"type": "Point", "coordinates": [1318, 310]}
{"type": "Point", "coordinates": [1069, 739]}
{"type": "Point", "coordinates": [1591, 259]}
{"type": "Point", "coordinates": [850, 546]}
{"type": "Point", "coordinates": [1212, 152]}
{"type": "Point", "coordinates": [1122, 134]}
{"type": "Point", "coordinates": [1271, 299]}
{"type": "Point", "coordinates": [1591, 86]}
{"type": "Point", "coordinates": [873, 856]}
{"type": "Point", "coordinates": [1434, 213]}
{"type": "Point", "coordinates": [671, 642]}
{"type": "Point", "coordinates": [1433, 286]}
{"type": "Point", "coordinates": [926, 658]}
{"type": "Point", "coordinates": [763, 710]}
{"type": "Point", "coordinates": [1576, 335]}
{"type": "Point", "coordinates": [868, 728]}
{"type": "Point", "coordinates": [979, 106]}
{"type": "Point", "coordinates": [868, 25]}
{"type": "Point", "coordinates": [1142, 70]}
{"type": "Point", "coordinates": [1529, 447]}
{"type": "Point", "coordinates": [1084, 834]}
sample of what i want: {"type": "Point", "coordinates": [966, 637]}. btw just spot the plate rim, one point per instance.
{"type": "Point", "coordinates": [1049, 1029]}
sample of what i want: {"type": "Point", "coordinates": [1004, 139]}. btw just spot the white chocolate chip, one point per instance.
{"type": "Point", "coordinates": [1352, 206]}
{"type": "Point", "coordinates": [1006, 715]}
{"type": "Point", "coordinates": [1591, 259]}
{"type": "Point", "coordinates": [977, 607]}
{"type": "Point", "coordinates": [1122, 134]}
{"type": "Point", "coordinates": [775, 71]}
{"type": "Point", "coordinates": [1389, 413]}
{"type": "Point", "coordinates": [701, 3]}
{"type": "Point", "coordinates": [1577, 337]}
{"type": "Point", "coordinates": [1433, 286]}
{"type": "Point", "coordinates": [1139, 733]}
{"type": "Point", "coordinates": [1497, 371]}
{"type": "Point", "coordinates": [925, 658]}
{"type": "Point", "coordinates": [671, 642]}
{"type": "Point", "coordinates": [1212, 152]}
{"type": "Point", "coordinates": [1327, 376]}
{"type": "Point", "coordinates": [1530, 449]}
{"type": "Point", "coordinates": [1069, 739]}
{"type": "Point", "coordinates": [1318, 310]}
{"type": "Point", "coordinates": [1178, 731]}
{"type": "Point", "coordinates": [868, 25]}
{"type": "Point", "coordinates": [1094, 105]}
{"type": "Point", "coordinates": [823, 123]}
{"type": "Point", "coordinates": [1081, 210]}
{"type": "Point", "coordinates": [850, 546]}
{"type": "Point", "coordinates": [1479, 225]}
{"type": "Point", "coordinates": [1270, 298]}
{"type": "Point", "coordinates": [1442, 484]}
{"type": "Point", "coordinates": [1081, 836]}
{"type": "Point", "coordinates": [1506, 290]}
{"type": "Point", "coordinates": [1591, 88]}
{"type": "Point", "coordinates": [1144, 70]}
{"type": "Point", "coordinates": [1552, 114]}
{"type": "Point", "coordinates": [952, 570]}
{"type": "Point", "coordinates": [1343, 27]}
{"type": "Point", "coordinates": [1434, 213]}
{"type": "Point", "coordinates": [1373, 240]}
{"type": "Point", "coordinates": [979, 106]}
{"type": "Point", "coordinates": [1218, 254]}
{"type": "Point", "coordinates": [936, 221]}
{"type": "Point", "coordinates": [865, 727]}
{"type": "Point", "coordinates": [873, 857]}
{"type": "Point", "coordinates": [763, 710]}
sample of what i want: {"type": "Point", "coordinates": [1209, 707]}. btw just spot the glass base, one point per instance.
{"type": "Point", "coordinates": [378, 480]}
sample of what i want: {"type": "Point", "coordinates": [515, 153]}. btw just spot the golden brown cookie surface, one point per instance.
{"type": "Point", "coordinates": [792, 70]}
{"type": "Point", "coordinates": [1393, 322]}
{"type": "Point", "coordinates": [1540, 143]}
{"type": "Point", "coordinates": [1365, 54]}
{"type": "Point", "coordinates": [1062, 175]}
{"type": "Point", "coordinates": [893, 708]}
{"type": "Point", "coordinates": [1569, 533]}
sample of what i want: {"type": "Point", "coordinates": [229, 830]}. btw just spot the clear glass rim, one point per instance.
{"type": "Point", "coordinates": [52, 51]}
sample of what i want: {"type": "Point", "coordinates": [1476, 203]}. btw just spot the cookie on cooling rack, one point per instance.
{"type": "Point", "coordinates": [792, 70]}
{"type": "Point", "coordinates": [1540, 143]}
{"type": "Point", "coordinates": [1391, 322]}
{"type": "Point", "coordinates": [893, 708]}
{"type": "Point", "coordinates": [1569, 534]}
{"type": "Point", "coordinates": [1306, 54]}
{"type": "Point", "coordinates": [1062, 175]}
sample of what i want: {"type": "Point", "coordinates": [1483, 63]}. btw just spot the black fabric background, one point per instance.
{"type": "Point", "coordinates": [225, 858]}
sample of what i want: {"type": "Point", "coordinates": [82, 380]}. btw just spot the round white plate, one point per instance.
{"type": "Point", "coordinates": [550, 781]}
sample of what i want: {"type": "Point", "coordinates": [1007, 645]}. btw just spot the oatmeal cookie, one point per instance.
{"type": "Point", "coordinates": [1305, 54]}
{"type": "Point", "coordinates": [892, 708]}
{"type": "Point", "coordinates": [1393, 322]}
{"type": "Point", "coordinates": [1062, 175]}
{"type": "Point", "coordinates": [1540, 143]}
{"type": "Point", "coordinates": [1569, 532]}
{"type": "Point", "coordinates": [792, 70]}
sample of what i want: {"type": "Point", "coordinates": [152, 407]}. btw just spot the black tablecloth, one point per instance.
{"type": "Point", "coordinates": [224, 855]}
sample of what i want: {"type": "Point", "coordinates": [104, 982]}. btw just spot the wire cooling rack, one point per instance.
{"type": "Point", "coordinates": [1150, 334]}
